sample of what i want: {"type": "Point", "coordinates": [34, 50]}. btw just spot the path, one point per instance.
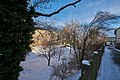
{"type": "Point", "coordinates": [108, 69]}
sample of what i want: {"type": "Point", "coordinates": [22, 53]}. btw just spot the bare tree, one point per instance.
{"type": "Point", "coordinates": [71, 35]}
{"type": "Point", "coordinates": [47, 35]}
{"type": "Point", "coordinates": [86, 37]}
{"type": "Point", "coordinates": [99, 22]}
{"type": "Point", "coordinates": [48, 45]}
{"type": "Point", "coordinates": [61, 70]}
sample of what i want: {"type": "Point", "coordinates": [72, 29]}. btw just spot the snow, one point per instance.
{"type": "Point", "coordinates": [36, 68]}
{"type": "Point", "coordinates": [86, 62]}
{"type": "Point", "coordinates": [95, 52]}
{"type": "Point", "coordinates": [116, 49]}
{"type": "Point", "coordinates": [75, 76]}
{"type": "Point", "coordinates": [108, 70]}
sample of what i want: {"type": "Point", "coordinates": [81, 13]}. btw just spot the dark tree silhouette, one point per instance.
{"type": "Point", "coordinates": [16, 27]}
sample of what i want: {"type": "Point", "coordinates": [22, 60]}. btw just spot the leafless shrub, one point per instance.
{"type": "Point", "coordinates": [61, 71]}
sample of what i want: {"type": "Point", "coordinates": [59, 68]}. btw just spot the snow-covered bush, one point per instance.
{"type": "Point", "coordinates": [60, 71]}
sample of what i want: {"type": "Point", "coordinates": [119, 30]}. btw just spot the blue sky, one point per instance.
{"type": "Point", "coordinates": [84, 11]}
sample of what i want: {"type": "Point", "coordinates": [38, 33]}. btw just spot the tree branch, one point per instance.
{"type": "Point", "coordinates": [57, 11]}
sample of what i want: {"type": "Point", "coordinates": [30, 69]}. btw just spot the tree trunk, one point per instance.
{"type": "Point", "coordinates": [83, 52]}
{"type": "Point", "coordinates": [59, 55]}
{"type": "Point", "coordinates": [48, 62]}
{"type": "Point", "coordinates": [70, 48]}
{"type": "Point", "coordinates": [49, 59]}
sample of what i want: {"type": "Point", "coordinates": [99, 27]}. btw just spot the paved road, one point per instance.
{"type": "Point", "coordinates": [109, 70]}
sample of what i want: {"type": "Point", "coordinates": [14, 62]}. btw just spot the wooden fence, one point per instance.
{"type": "Point", "coordinates": [92, 71]}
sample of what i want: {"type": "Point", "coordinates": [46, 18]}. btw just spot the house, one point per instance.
{"type": "Point", "coordinates": [110, 41]}
{"type": "Point", "coordinates": [117, 38]}
{"type": "Point", "coordinates": [42, 36]}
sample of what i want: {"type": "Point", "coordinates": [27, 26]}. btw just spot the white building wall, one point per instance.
{"type": "Point", "coordinates": [118, 36]}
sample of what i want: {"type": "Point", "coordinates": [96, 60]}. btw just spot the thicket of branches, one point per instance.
{"type": "Point", "coordinates": [16, 27]}
{"type": "Point", "coordinates": [86, 38]}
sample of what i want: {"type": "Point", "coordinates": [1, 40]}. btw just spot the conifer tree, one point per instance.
{"type": "Point", "coordinates": [16, 28]}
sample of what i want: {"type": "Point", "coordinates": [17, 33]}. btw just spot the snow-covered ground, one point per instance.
{"type": "Point", "coordinates": [108, 69]}
{"type": "Point", "coordinates": [75, 76]}
{"type": "Point", "coordinates": [36, 68]}
{"type": "Point", "coordinates": [116, 49]}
